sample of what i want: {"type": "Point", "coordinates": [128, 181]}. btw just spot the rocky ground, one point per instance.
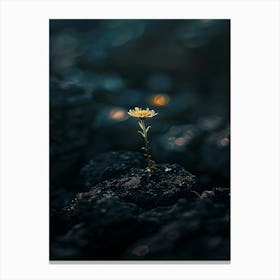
{"type": "Point", "coordinates": [126, 213]}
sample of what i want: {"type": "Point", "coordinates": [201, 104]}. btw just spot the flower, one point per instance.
{"type": "Point", "coordinates": [142, 113]}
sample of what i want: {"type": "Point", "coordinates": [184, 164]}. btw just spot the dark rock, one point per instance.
{"type": "Point", "coordinates": [97, 230]}
{"type": "Point", "coordinates": [162, 186]}
{"type": "Point", "coordinates": [104, 211]}
{"type": "Point", "coordinates": [109, 229]}
{"type": "Point", "coordinates": [186, 231]}
{"type": "Point", "coordinates": [164, 244]}
{"type": "Point", "coordinates": [111, 165]}
{"type": "Point", "coordinates": [132, 214]}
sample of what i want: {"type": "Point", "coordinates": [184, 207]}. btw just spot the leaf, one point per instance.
{"type": "Point", "coordinates": [148, 129]}
{"type": "Point", "coordinates": [141, 133]}
{"type": "Point", "coordinates": [141, 125]}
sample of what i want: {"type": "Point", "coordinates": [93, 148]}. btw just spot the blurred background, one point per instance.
{"type": "Point", "coordinates": [99, 69]}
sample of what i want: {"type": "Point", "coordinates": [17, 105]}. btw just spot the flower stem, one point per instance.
{"type": "Point", "coordinates": [144, 133]}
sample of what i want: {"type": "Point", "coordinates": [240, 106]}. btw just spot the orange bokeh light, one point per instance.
{"type": "Point", "coordinates": [118, 114]}
{"type": "Point", "coordinates": [160, 99]}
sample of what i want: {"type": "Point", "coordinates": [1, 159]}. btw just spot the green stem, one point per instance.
{"type": "Point", "coordinates": [150, 162]}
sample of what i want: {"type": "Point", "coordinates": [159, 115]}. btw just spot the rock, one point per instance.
{"type": "Point", "coordinates": [163, 186]}
{"type": "Point", "coordinates": [97, 230]}
{"type": "Point", "coordinates": [194, 231]}
{"type": "Point", "coordinates": [112, 229]}
{"type": "Point", "coordinates": [104, 211]}
{"type": "Point", "coordinates": [131, 214]}
{"type": "Point", "coordinates": [111, 165]}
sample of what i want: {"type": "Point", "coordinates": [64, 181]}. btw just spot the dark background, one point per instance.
{"type": "Point", "coordinates": [101, 68]}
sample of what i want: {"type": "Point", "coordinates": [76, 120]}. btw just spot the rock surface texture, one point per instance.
{"type": "Point", "coordinates": [128, 213]}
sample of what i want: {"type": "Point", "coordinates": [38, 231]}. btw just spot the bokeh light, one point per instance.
{"type": "Point", "coordinates": [160, 99]}
{"type": "Point", "coordinates": [118, 114]}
